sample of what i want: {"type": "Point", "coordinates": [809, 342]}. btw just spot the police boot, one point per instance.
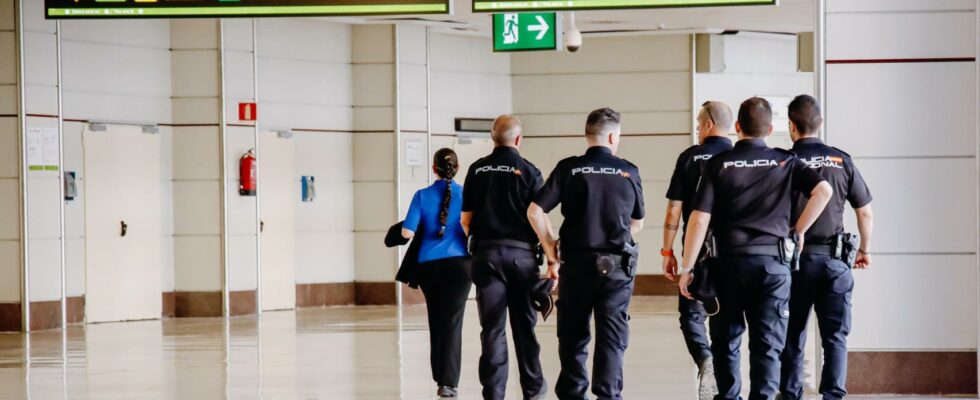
{"type": "Point", "coordinates": [707, 385]}
{"type": "Point", "coordinates": [446, 392]}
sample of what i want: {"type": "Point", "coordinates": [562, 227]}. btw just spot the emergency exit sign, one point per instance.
{"type": "Point", "coordinates": [526, 32]}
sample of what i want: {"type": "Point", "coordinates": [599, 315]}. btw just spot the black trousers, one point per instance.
{"type": "Point", "coordinates": [503, 277]}
{"type": "Point", "coordinates": [584, 292]}
{"type": "Point", "coordinates": [753, 290]}
{"type": "Point", "coordinates": [692, 321]}
{"type": "Point", "coordinates": [446, 285]}
{"type": "Point", "coordinates": [823, 284]}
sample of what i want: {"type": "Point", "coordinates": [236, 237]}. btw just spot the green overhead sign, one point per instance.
{"type": "Point", "coordinates": [526, 32]}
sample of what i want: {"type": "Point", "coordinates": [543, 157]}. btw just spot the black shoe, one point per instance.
{"type": "Point", "coordinates": [707, 385]}
{"type": "Point", "coordinates": [446, 391]}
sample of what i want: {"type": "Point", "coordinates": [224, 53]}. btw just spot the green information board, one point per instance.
{"type": "Point", "coordinates": [84, 9]}
{"type": "Point", "coordinates": [556, 5]}
{"type": "Point", "coordinates": [526, 32]}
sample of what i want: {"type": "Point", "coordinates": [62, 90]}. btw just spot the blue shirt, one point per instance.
{"type": "Point", "coordinates": [425, 208]}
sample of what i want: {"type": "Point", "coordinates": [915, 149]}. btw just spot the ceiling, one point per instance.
{"type": "Point", "coordinates": [790, 16]}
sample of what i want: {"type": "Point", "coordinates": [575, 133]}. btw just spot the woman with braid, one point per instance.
{"type": "Point", "coordinates": [443, 260]}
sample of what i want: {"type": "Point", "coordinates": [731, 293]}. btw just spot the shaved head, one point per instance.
{"type": "Point", "coordinates": [718, 113]}
{"type": "Point", "coordinates": [506, 129]}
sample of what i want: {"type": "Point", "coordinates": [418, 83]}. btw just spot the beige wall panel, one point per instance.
{"type": "Point", "coordinates": [375, 210]}
{"type": "Point", "coordinates": [8, 98]}
{"type": "Point", "coordinates": [42, 99]}
{"type": "Point", "coordinates": [10, 268]}
{"type": "Point", "coordinates": [197, 110]}
{"type": "Point", "coordinates": [197, 34]}
{"type": "Point", "coordinates": [373, 156]}
{"type": "Point", "coordinates": [760, 53]}
{"type": "Point", "coordinates": [901, 35]}
{"type": "Point", "coordinates": [372, 44]}
{"type": "Point", "coordinates": [9, 150]}
{"type": "Point", "coordinates": [197, 261]}
{"type": "Point", "coordinates": [373, 118]}
{"type": "Point", "coordinates": [632, 54]}
{"type": "Point", "coordinates": [195, 73]}
{"type": "Point", "coordinates": [9, 209]}
{"type": "Point", "coordinates": [942, 313]}
{"type": "Point", "coordinates": [411, 44]}
{"type": "Point", "coordinates": [654, 156]}
{"type": "Point", "coordinates": [373, 85]}
{"type": "Point", "coordinates": [8, 48]}
{"type": "Point", "coordinates": [375, 263]}
{"type": "Point", "coordinates": [573, 123]}
{"type": "Point", "coordinates": [195, 153]}
{"type": "Point", "coordinates": [907, 218]}
{"type": "Point", "coordinates": [197, 208]}
{"type": "Point", "coordinates": [659, 91]}
{"type": "Point", "coordinates": [7, 15]}
{"type": "Point", "coordinates": [940, 96]}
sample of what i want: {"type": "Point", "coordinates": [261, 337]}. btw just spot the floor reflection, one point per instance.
{"type": "Point", "coordinates": [330, 353]}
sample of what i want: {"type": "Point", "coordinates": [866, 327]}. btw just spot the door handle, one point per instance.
{"type": "Point", "coordinates": [261, 226]}
{"type": "Point", "coordinates": [123, 227]}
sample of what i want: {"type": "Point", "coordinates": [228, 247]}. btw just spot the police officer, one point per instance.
{"type": "Point", "coordinates": [824, 282]}
{"type": "Point", "coordinates": [498, 190]}
{"type": "Point", "coordinates": [745, 194]}
{"type": "Point", "coordinates": [714, 123]}
{"type": "Point", "coordinates": [602, 203]}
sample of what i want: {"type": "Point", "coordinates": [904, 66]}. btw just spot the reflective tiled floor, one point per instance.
{"type": "Point", "coordinates": [332, 353]}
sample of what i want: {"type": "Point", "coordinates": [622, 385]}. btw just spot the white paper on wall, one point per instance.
{"type": "Point", "coordinates": [42, 149]}
{"type": "Point", "coordinates": [414, 153]}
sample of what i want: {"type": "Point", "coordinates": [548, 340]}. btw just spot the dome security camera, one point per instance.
{"type": "Point", "coordinates": [573, 36]}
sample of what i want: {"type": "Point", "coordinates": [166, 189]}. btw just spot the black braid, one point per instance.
{"type": "Point", "coordinates": [446, 165]}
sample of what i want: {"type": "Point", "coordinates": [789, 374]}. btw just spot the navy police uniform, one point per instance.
{"type": "Point", "coordinates": [499, 189]}
{"type": "Point", "coordinates": [683, 187]}
{"type": "Point", "coordinates": [748, 193]}
{"type": "Point", "coordinates": [600, 195]}
{"type": "Point", "coordinates": [824, 282]}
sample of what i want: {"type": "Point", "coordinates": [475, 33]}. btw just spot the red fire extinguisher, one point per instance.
{"type": "Point", "coordinates": [246, 171]}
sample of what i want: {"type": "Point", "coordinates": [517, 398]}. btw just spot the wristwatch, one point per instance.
{"type": "Point", "coordinates": [667, 253]}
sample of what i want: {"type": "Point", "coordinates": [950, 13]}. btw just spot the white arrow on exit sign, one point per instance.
{"type": "Point", "coordinates": [541, 28]}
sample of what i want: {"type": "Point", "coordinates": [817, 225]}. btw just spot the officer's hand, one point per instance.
{"type": "Point", "coordinates": [683, 283]}
{"type": "Point", "coordinates": [863, 261]}
{"type": "Point", "coordinates": [670, 267]}
{"type": "Point", "coordinates": [553, 273]}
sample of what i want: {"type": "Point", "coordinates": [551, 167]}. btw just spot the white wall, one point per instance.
{"type": "Point", "coordinates": [649, 84]}
{"type": "Point", "coordinates": [911, 127]}
{"type": "Point", "coordinates": [10, 236]}
{"type": "Point", "coordinates": [756, 64]}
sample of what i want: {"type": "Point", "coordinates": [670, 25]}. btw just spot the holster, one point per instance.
{"type": "Point", "coordinates": [620, 266]}
{"type": "Point", "coordinates": [790, 254]}
{"type": "Point", "coordinates": [846, 248]}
